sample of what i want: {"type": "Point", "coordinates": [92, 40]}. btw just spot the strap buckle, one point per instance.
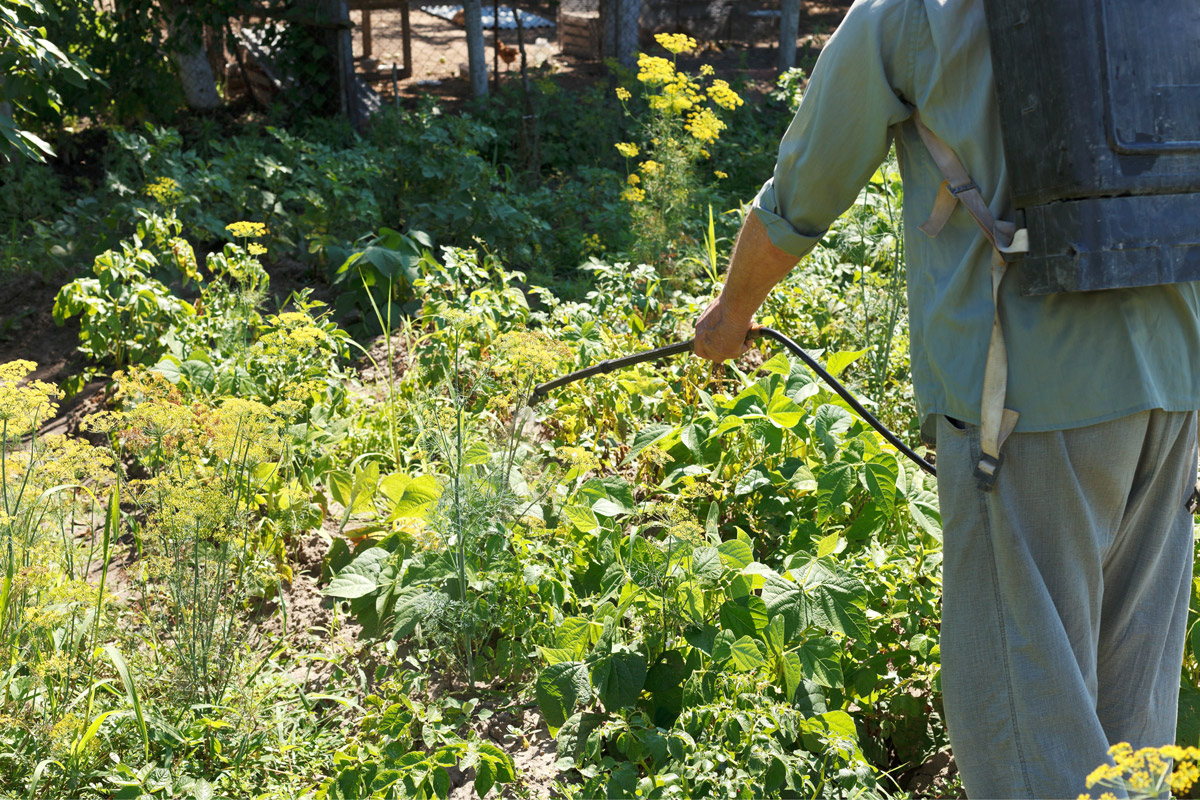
{"type": "Point", "coordinates": [964, 187]}
{"type": "Point", "coordinates": [986, 471]}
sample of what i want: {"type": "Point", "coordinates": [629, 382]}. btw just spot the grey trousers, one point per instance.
{"type": "Point", "coordinates": [1065, 598]}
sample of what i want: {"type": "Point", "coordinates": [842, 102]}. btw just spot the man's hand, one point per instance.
{"type": "Point", "coordinates": [755, 266]}
{"type": "Point", "coordinates": [720, 333]}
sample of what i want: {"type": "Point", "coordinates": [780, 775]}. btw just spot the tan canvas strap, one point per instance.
{"type": "Point", "coordinates": [996, 421]}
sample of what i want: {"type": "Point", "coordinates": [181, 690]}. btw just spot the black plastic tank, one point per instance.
{"type": "Point", "coordinates": [1100, 114]}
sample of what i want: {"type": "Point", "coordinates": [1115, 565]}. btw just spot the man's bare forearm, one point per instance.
{"type": "Point", "coordinates": [754, 269]}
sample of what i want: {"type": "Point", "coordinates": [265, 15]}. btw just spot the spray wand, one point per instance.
{"type": "Point", "coordinates": [541, 390]}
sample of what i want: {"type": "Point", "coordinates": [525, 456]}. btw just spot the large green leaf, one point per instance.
{"type": "Point", "coordinates": [410, 497]}
{"type": "Point", "coordinates": [412, 605]}
{"type": "Point", "coordinates": [706, 564]}
{"type": "Point", "coordinates": [360, 576]}
{"type": "Point", "coordinates": [646, 437]}
{"type": "Point", "coordinates": [819, 661]}
{"type": "Point", "coordinates": [735, 553]}
{"type": "Point", "coordinates": [618, 679]}
{"type": "Point", "coordinates": [824, 596]}
{"type": "Point", "coordinates": [831, 421]}
{"type": "Point", "coordinates": [559, 689]}
{"type": "Point", "coordinates": [746, 655]}
{"type": "Point", "coordinates": [493, 766]}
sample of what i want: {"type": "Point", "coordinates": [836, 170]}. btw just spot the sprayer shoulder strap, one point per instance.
{"type": "Point", "coordinates": [996, 421]}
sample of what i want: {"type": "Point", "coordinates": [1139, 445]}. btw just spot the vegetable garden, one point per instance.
{"type": "Point", "coordinates": [313, 542]}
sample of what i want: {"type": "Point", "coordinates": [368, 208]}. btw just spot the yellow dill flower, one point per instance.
{"type": "Point", "coordinates": [634, 179]}
{"type": "Point", "coordinates": [627, 149]}
{"type": "Point", "coordinates": [650, 167]}
{"type": "Point", "coordinates": [707, 69]}
{"type": "Point", "coordinates": [723, 96]}
{"type": "Point", "coordinates": [24, 404]}
{"type": "Point", "coordinates": [255, 249]}
{"type": "Point", "coordinates": [164, 190]}
{"type": "Point", "coordinates": [720, 175]}
{"type": "Point", "coordinates": [704, 126]}
{"type": "Point", "coordinates": [654, 70]}
{"type": "Point", "coordinates": [251, 230]}
{"type": "Point", "coordinates": [623, 94]}
{"type": "Point", "coordinates": [633, 194]}
{"type": "Point", "coordinates": [675, 43]}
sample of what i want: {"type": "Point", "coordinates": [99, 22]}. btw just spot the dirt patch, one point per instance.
{"type": "Point", "coordinates": [521, 733]}
{"type": "Point", "coordinates": [306, 619]}
{"type": "Point", "coordinates": [937, 777]}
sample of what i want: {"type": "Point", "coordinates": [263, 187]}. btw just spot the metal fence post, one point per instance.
{"type": "Point", "coordinates": [789, 28]}
{"type": "Point", "coordinates": [476, 52]}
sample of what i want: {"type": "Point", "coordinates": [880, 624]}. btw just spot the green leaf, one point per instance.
{"type": "Point", "coordinates": [410, 497]}
{"type": "Point", "coordinates": [827, 545]}
{"type": "Point", "coordinates": [706, 564]}
{"type": "Point", "coordinates": [777, 364]}
{"type": "Point", "coordinates": [880, 474]}
{"type": "Point", "coordinates": [783, 412]}
{"type": "Point", "coordinates": [582, 518]}
{"type": "Point", "coordinates": [825, 597]}
{"type": "Point", "coordinates": [118, 662]}
{"type": "Point", "coordinates": [833, 487]}
{"type": "Point", "coordinates": [646, 437]}
{"type": "Point", "coordinates": [839, 361]}
{"type": "Point", "coordinates": [819, 660]}
{"type": "Point", "coordinates": [413, 604]}
{"type": "Point", "coordinates": [745, 655]}
{"type": "Point", "coordinates": [618, 679]}
{"type": "Point", "coordinates": [559, 689]}
{"type": "Point", "coordinates": [735, 553]}
{"type": "Point", "coordinates": [831, 421]}
{"type": "Point", "coordinates": [574, 634]}
{"type": "Point", "coordinates": [360, 576]}
{"type": "Point", "coordinates": [494, 766]}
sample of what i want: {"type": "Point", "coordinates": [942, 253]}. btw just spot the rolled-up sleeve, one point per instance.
{"type": "Point", "coordinates": [840, 133]}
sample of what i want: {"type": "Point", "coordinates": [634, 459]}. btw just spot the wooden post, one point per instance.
{"type": "Point", "coordinates": [789, 28]}
{"type": "Point", "coordinates": [476, 50]}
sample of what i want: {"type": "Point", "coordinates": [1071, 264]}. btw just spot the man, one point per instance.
{"type": "Point", "coordinates": [1066, 585]}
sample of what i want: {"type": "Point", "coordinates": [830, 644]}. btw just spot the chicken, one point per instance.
{"type": "Point", "coordinates": [507, 54]}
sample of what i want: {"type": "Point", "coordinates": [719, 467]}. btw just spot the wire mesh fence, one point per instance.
{"type": "Point", "coordinates": [371, 52]}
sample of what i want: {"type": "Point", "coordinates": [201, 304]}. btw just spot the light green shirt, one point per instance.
{"type": "Point", "coordinates": [1074, 358]}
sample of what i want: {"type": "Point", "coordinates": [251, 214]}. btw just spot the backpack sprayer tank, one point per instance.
{"type": "Point", "coordinates": [1100, 115]}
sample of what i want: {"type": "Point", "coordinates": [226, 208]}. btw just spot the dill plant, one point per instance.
{"type": "Point", "coordinates": [202, 552]}
{"type": "Point", "coordinates": [51, 615]}
{"type": "Point", "coordinates": [474, 427]}
{"type": "Point", "coordinates": [681, 119]}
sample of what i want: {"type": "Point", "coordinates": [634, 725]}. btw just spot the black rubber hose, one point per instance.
{"type": "Point", "coordinates": [543, 389]}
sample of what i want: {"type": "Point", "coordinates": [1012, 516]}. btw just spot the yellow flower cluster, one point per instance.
{"type": "Point", "coordinates": [633, 194]}
{"type": "Point", "coordinates": [256, 249]}
{"type": "Point", "coordinates": [251, 230]}
{"type": "Point", "coordinates": [650, 167]}
{"type": "Point", "coordinates": [627, 149]}
{"type": "Point", "coordinates": [1143, 770]}
{"type": "Point", "coordinates": [634, 179]}
{"type": "Point", "coordinates": [720, 93]}
{"type": "Point", "coordinates": [720, 175]}
{"type": "Point", "coordinates": [704, 125]}
{"type": "Point", "coordinates": [164, 190]}
{"type": "Point", "coordinates": [654, 70]}
{"type": "Point", "coordinates": [528, 356]}
{"type": "Point", "coordinates": [623, 94]}
{"type": "Point", "coordinates": [678, 95]}
{"type": "Point", "coordinates": [676, 43]}
{"type": "Point", "coordinates": [24, 404]}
